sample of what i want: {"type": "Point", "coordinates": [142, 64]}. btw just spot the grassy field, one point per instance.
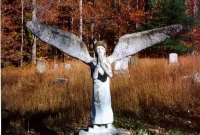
{"type": "Point", "coordinates": [155, 99]}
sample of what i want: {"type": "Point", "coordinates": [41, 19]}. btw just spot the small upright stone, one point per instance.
{"type": "Point", "coordinates": [173, 58]}
{"type": "Point", "coordinates": [55, 66]}
{"type": "Point", "coordinates": [40, 66]}
{"type": "Point", "coordinates": [61, 80]}
{"type": "Point", "coordinates": [67, 67]}
{"type": "Point", "coordinates": [121, 66]}
{"type": "Point", "coordinates": [134, 61]}
{"type": "Point", "coordinates": [197, 77]}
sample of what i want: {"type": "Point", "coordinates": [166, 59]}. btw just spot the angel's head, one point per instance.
{"type": "Point", "coordinates": [100, 48]}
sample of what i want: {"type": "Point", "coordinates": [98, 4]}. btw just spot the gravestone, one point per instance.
{"type": "Point", "coordinates": [67, 67]}
{"type": "Point", "coordinates": [55, 66]}
{"type": "Point", "coordinates": [197, 77]}
{"type": "Point", "coordinates": [173, 58]}
{"type": "Point", "coordinates": [121, 66]}
{"type": "Point", "coordinates": [194, 53]}
{"type": "Point", "coordinates": [41, 66]}
{"type": "Point", "coordinates": [134, 61]}
{"type": "Point", "coordinates": [61, 80]}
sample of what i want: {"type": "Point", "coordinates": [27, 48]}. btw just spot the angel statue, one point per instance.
{"type": "Point", "coordinates": [129, 44]}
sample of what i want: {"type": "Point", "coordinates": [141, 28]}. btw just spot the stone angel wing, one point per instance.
{"type": "Point", "coordinates": [130, 44]}
{"type": "Point", "coordinates": [63, 40]}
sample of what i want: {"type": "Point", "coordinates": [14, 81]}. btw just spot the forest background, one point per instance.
{"type": "Point", "coordinates": [95, 20]}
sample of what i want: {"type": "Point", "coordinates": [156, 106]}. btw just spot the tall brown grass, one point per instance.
{"type": "Point", "coordinates": [152, 85]}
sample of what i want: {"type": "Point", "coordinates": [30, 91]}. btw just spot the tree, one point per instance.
{"type": "Point", "coordinates": [22, 34]}
{"type": "Point", "coordinates": [34, 38]}
{"type": "Point", "coordinates": [167, 12]}
{"type": "Point", "coordinates": [11, 27]}
{"type": "Point", "coordinates": [81, 20]}
{"type": "Point", "coordinates": [107, 19]}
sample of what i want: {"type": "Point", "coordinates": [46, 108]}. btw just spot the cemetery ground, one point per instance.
{"type": "Point", "coordinates": [155, 99]}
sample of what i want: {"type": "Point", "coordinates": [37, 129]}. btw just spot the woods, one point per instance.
{"type": "Point", "coordinates": [96, 20]}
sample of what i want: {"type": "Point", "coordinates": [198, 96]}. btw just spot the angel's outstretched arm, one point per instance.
{"type": "Point", "coordinates": [63, 40]}
{"type": "Point", "coordinates": [130, 44]}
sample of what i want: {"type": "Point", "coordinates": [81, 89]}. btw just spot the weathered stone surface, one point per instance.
{"type": "Point", "coordinates": [41, 66]}
{"type": "Point", "coordinates": [130, 44]}
{"type": "Point", "coordinates": [61, 80]}
{"type": "Point", "coordinates": [63, 40]}
{"type": "Point", "coordinates": [67, 66]}
{"type": "Point", "coordinates": [197, 77]}
{"type": "Point", "coordinates": [173, 58]}
{"type": "Point", "coordinates": [104, 131]}
{"type": "Point", "coordinates": [134, 61]}
{"type": "Point", "coordinates": [121, 66]}
{"type": "Point", "coordinates": [101, 112]}
{"type": "Point", "coordinates": [55, 66]}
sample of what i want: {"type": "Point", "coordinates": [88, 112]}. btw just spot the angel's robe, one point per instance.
{"type": "Point", "coordinates": [101, 112]}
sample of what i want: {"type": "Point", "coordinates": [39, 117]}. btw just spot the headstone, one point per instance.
{"type": "Point", "coordinates": [55, 66]}
{"type": "Point", "coordinates": [67, 66]}
{"type": "Point", "coordinates": [121, 66]}
{"type": "Point", "coordinates": [40, 66]}
{"type": "Point", "coordinates": [61, 80]}
{"type": "Point", "coordinates": [173, 58]}
{"type": "Point", "coordinates": [134, 61]}
{"type": "Point", "coordinates": [197, 77]}
{"type": "Point", "coordinates": [194, 53]}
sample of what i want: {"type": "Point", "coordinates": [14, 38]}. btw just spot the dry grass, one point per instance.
{"type": "Point", "coordinates": [153, 85]}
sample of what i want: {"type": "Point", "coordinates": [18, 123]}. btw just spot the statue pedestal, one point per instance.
{"type": "Point", "coordinates": [103, 130]}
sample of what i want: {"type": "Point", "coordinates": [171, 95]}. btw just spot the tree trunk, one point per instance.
{"type": "Point", "coordinates": [113, 3]}
{"type": "Point", "coordinates": [119, 20]}
{"type": "Point", "coordinates": [22, 41]}
{"type": "Point", "coordinates": [136, 25]}
{"type": "Point", "coordinates": [34, 38]}
{"type": "Point", "coordinates": [81, 20]}
{"type": "Point", "coordinates": [92, 29]}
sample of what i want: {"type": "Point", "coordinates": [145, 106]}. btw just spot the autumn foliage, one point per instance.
{"type": "Point", "coordinates": [107, 19]}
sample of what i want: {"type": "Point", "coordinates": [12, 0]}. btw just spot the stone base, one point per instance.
{"type": "Point", "coordinates": [103, 130]}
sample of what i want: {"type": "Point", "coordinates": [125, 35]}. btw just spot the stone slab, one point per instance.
{"type": "Point", "coordinates": [173, 58]}
{"type": "Point", "coordinates": [104, 131]}
{"type": "Point", "coordinates": [41, 66]}
{"type": "Point", "coordinates": [197, 77]}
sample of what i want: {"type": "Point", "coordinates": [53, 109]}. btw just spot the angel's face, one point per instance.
{"type": "Point", "coordinates": [100, 50]}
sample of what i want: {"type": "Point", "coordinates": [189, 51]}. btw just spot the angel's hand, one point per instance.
{"type": "Point", "coordinates": [106, 66]}
{"type": "Point", "coordinates": [100, 60]}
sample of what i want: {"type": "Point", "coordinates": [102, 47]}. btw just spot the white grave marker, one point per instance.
{"type": "Point", "coordinates": [134, 61]}
{"type": "Point", "coordinates": [173, 58]}
{"type": "Point", "coordinates": [121, 66]}
{"type": "Point", "coordinates": [40, 66]}
{"type": "Point", "coordinates": [67, 66]}
{"type": "Point", "coordinates": [55, 66]}
{"type": "Point", "coordinates": [197, 77]}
